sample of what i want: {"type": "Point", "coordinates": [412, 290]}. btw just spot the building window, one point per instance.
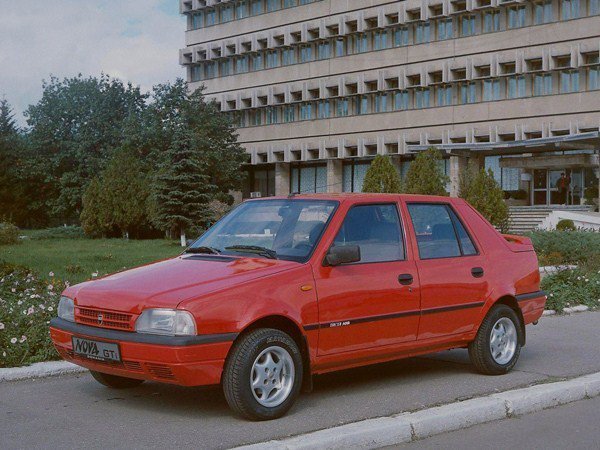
{"type": "Point", "coordinates": [196, 73]}
{"type": "Point", "coordinates": [353, 175]}
{"type": "Point", "coordinates": [400, 36]}
{"type": "Point", "coordinates": [361, 43]}
{"type": "Point", "coordinates": [257, 7]}
{"type": "Point", "coordinates": [594, 78]}
{"type": "Point", "coordinates": [444, 95]}
{"type": "Point", "coordinates": [289, 56]}
{"type": "Point", "coordinates": [422, 98]}
{"type": "Point", "coordinates": [594, 7]}
{"type": "Point", "coordinates": [258, 62]}
{"type": "Point", "coordinates": [226, 13]}
{"type": "Point", "coordinates": [542, 12]}
{"type": "Point", "coordinates": [210, 17]}
{"type": "Point", "coordinates": [242, 65]}
{"type": "Point", "coordinates": [422, 33]}
{"type": "Point", "coordinates": [289, 113]}
{"type": "Point", "coordinates": [197, 20]}
{"type": "Point", "coordinates": [306, 53]}
{"type": "Point", "coordinates": [255, 117]}
{"type": "Point", "coordinates": [273, 5]}
{"type": "Point", "coordinates": [323, 109]}
{"type": "Point", "coordinates": [445, 29]}
{"type": "Point", "coordinates": [570, 9]}
{"type": "Point", "coordinates": [515, 86]}
{"type": "Point", "coordinates": [264, 182]}
{"type": "Point", "coordinates": [380, 40]}
{"type": "Point", "coordinates": [542, 84]}
{"type": "Point", "coordinates": [340, 47]}
{"type": "Point", "coordinates": [212, 70]}
{"type": "Point", "coordinates": [272, 115]}
{"type": "Point", "coordinates": [491, 90]}
{"type": "Point", "coordinates": [517, 16]}
{"type": "Point", "coordinates": [569, 81]}
{"type": "Point", "coordinates": [468, 92]}
{"type": "Point", "coordinates": [306, 111]}
{"type": "Point", "coordinates": [324, 50]}
{"type": "Point", "coordinates": [308, 179]}
{"type": "Point", "coordinates": [226, 67]}
{"type": "Point", "coordinates": [467, 25]}
{"type": "Point", "coordinates": [491, 21]}
{"type": "Point", "coordinates": [361, 104]}
{"type": "Point", "coordinates": [341, 108]}
{"type": "Point", "coordinates": [400, 100]}
{"type": "Point", "coordinates": [381, 103]}
{"type": "Point", "coordinates": [273, 59]}
{"type": "Point", "coordinates": [289, 3]}
{"type": "Point", "coordinates": [241, 9]}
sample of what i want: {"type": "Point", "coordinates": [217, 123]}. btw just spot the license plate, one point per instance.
{"type": "Point", "coordinates": [100, 351]}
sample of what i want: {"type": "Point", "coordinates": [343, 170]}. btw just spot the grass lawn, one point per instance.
{"type": "Point", "coordinates": [75, 260]}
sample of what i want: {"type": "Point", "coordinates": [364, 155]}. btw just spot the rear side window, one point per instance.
{"type": "Point", "coordinates": [439, 232]}
{"type": "Point", "coordinates": [376, 230]}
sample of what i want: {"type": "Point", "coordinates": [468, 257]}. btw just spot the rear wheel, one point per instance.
{"type": "Point", "coordinates": [497, 346]}
{"type": "Point", "coordinates": [263, 374]}
{"type": "Point", "coordinates": [114, 381]}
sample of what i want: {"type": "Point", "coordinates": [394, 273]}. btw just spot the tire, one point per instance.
{"type": "Point", "coordinates": [115, 382]}
{"type": "Point", "coordinates": [497, 345]}
{"type": "Point", "coordinates": [258, 395]}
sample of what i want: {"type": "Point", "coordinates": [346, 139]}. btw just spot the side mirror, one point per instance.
{"type": "Point", "coordinates": [342, 254]}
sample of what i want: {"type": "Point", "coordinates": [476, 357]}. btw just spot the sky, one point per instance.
{"type": "Point", "coordinates": [135, 40]}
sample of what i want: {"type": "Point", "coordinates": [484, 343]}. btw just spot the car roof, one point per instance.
{"type": "Point", "coordinates": [361, 197]}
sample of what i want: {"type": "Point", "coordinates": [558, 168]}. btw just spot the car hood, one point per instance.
{"type": "Point", "coordinates": [167, 283]}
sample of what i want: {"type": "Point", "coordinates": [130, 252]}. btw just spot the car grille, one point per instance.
{"type": "Point", "coordinates": [105, 319]}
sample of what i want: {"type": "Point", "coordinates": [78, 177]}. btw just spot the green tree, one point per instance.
{"type": "Point", "coordinates": [75, 129]}
{"type": "Point", "coordinates": [118, 199]}
{"type": "Point", "coordinates": [182, 190]}
{"type": "Point", "coordinates": [425, 176]}
{"type": "Point", "coordinates": [480, 189]}
{"type": "Point", "coordinates": [382, 177]}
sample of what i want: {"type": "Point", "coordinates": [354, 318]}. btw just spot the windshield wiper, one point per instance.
{"type": "Point", "coordinates": [262, 251]}
{"type": "Point", "coordinates": [203, 250]}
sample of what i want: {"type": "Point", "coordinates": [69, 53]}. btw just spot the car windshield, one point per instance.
{"type": "Point", "coordinates": [283, 229]}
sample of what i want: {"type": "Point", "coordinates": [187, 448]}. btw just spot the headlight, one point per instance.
{"type": "Point", "coordinates": [170, 322]}
{"type": "Point", "coordinates": [66, 309]}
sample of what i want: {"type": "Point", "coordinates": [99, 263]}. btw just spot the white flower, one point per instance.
{"type": "Point", "coordinates": [1, 326]}
{"type": "Point", "coordinates": [578, 278]}
{"type": "Point", "coordinates": [13, 341]}
{"type": "Point", "coordinates": [13, 290]}
{"type": "Point", "coordinates": [551, 294]}
{"type": "Point", "coordinates": [95, 274]}
{"type": "Point", "coordinates": [50, 274]}
{"type": "Point", "coordinates": [42, 307]}
{"type": "Point", "coordinates": [4, 354]}
{"type": "Point", "coordinates": [23, 339]}
{"type": "Point", "coordinates": [50, 308]}
{"type": "Point", "coordinates": [30, 311]}
{"type": "Point", "coordinates": [586, 280]}
{"type": "Point", "coordinates": [20, 302]}
{"type": "Point", "coordinates": [50, 287]}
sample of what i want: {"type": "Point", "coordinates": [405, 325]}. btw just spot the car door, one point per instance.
{"type": "Point", "coordinates": [451, 269]}
{"type": "Point", "coordinates": [375, 301]}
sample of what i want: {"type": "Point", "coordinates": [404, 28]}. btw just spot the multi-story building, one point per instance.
{"type": "Point", "coordinates": [318, 88]}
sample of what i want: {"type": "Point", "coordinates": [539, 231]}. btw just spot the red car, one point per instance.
{"type": "Point", "coordinates": [282, 289]}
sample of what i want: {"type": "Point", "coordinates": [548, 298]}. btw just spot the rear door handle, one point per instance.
{"type": "Point", "coordinates": [477, 272]}
{"type": "Point", "coordinates": [405, 279]}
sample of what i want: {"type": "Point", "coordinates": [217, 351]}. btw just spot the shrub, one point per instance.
{"type": "Point", "coordinates": [69, 232]}
{"type": "Point", "coordinates": [425, 175]}
{"type": "Point", "coordinates": [27, 303]}
{"type": "Point", "coordinates": [382, 177]}
{"type": "Point", "coordinates": [480, 189]}
{"type": "Point", "coordinates": [565, 224]}
{"type": "Point", "coordinates": [571, 288]}
{"type": "Point", "coordinates": [567, 247]}
{"type": "Point", "coordinates": [9, 234]}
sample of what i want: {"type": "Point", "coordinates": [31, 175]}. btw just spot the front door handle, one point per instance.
{"type": "Point", "coordinates": [405, 279]}
{"type": "Point", "coordinates": [477, 272]}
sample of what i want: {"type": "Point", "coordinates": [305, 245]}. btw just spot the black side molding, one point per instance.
{"type": "Point", "coordinates": [125, 336]}
{"type": "Point", "coordinates": [530, 296]}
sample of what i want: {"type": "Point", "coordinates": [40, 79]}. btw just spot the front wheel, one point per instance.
{"type": "Point", "coordinates": [114, 381]}
{"type": "Point", "coordinates": [263, 374]}
{"type": "Point", "coordinates": [497, 346]}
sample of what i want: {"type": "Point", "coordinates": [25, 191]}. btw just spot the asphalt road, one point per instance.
{"type": "Point", "coordinates": [75, 411]}
{"type": "Point", "coordinates": [573, 426]}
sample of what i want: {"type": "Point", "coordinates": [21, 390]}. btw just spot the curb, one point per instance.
{"type": "Point", "coordinates": [39, 370]}
{"type": "Point", "coordinates": [407, 427]}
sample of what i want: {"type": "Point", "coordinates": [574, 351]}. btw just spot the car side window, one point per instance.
{"type": "Point", "coordinates": [436, 227]}
{"type": "Point", "coordinates": [376, 230]}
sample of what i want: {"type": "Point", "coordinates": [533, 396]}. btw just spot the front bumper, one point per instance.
{"type": "Point", "coordinates": [187, 361]}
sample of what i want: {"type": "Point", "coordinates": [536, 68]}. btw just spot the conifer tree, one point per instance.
{"type": "Point", "coordinates": [425, 175]}
{"type": "Point", "coordinates": [382, 177]}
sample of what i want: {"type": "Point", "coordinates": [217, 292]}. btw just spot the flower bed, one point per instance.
{"type": "Point", "coordinates": [27, 303]}
{"type": "Point", "coordinates": [568, 288]}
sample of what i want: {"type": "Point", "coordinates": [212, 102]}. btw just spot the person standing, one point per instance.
{"type": "Point", "coordinates": [563, 184]}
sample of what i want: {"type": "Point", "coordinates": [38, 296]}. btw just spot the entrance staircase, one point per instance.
{"type": "Point", "coordinates": [528, 218]}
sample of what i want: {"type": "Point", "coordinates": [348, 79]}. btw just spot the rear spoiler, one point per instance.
{"type": "Point", "coordinates": [518, 243]}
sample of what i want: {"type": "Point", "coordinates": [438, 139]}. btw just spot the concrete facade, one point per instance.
{"type": "Point", "coordinates": [318, 88]}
